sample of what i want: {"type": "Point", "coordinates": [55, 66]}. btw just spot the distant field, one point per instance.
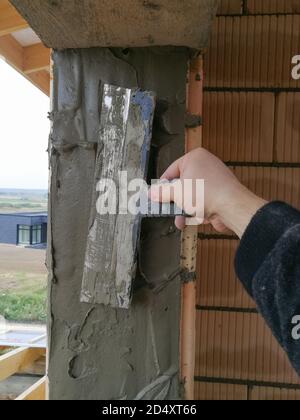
{"type": "Point", "coordinates": [12, 201]}
{"type": "Point", "coordinates": [23, 283]}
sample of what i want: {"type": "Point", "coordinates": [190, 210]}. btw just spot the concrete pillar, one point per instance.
{"type": "Point", "coordinates": [96, 352]}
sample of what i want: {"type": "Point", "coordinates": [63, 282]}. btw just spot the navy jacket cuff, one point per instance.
{"type": "Point", "coordinates": [265, 229]}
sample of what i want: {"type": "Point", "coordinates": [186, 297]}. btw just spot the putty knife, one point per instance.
{"type": "Point", "coordinates": [124, 145]}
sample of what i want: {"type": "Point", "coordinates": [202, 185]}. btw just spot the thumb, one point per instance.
{"type": "Point", "coordinates": [167, 192]}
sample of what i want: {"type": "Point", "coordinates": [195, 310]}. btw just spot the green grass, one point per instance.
{"type": "Point", "coordinates": [19, 205]}
{"type": "Point", "coordinates": [23, 297]}
{"type": "Point", "coordinates": [2, 352]}
{"type": "Point", "coordinates": [22, 201]}
{"type": "Point", "coordinates": [23, 308]}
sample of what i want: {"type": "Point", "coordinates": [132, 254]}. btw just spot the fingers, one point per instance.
{"type": "Point", "coordinates": [219, 226]}
{"type": "Point", "coordinates": [173, 171]}
{"type": "Point", "coordinates": [180, 222]}
{"type": "Point", "coordinates": [167, 193]}
{"type": "Point", "coordinates": [194, 221]}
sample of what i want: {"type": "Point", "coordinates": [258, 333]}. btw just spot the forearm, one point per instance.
{"type": "Point", "coordinates": [239, 208]}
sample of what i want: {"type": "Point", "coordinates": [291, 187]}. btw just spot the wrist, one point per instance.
{"type": "Point", "coordinates": [239, 208]}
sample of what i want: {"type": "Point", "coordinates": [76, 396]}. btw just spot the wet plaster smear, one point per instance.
{"type": "Point", "coordinates": [97, 352]}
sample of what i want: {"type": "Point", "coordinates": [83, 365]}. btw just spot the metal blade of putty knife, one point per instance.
{"type": "Point", "coordinates": [124, 145]}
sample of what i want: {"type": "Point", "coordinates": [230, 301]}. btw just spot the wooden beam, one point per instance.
{"type": "Point", "coordinates": [36, 392]}
{"type": "Point", "coordinates": [10, 20]}
{"type": "Point", "coordinates": [12, 52]}
{"type": "Point", "coordinates": [36, 58]}
{"type": "Point", "coordinates": [92, 23]}
{"type": "Point", "coordinates": [37, 368]}
{"type": "Point", "coordinates": [3, 350]}
{"type": "Point", "coordinates": [17, 56]}
{"type": "Point", "coordinates": [41, 80]}
{"type": "Point", "coordinates": [16, 360]}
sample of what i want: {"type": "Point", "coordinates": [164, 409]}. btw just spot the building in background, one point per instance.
{"type": "Point", "coordinates": [24, 229]}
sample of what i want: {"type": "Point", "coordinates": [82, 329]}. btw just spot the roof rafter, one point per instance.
{"type": "Point", "coordinates": [36, 57]}
{"type": "Point", "coordinates": [32, 62]}
{"type": "Point", "coordinates": [10, 20]}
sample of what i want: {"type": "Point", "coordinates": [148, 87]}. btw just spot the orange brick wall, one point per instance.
{"type": "Point", "coordinates": [220, 392]}
{"type": "Point", "coordinates": [273, 6]}
{"type": "Point", "coordinates": [253, 52]}
{"type": "Point", "coordinates": [255, 7]}
{"type": "Point", "coordinates": [251, 120]}
{"type": "Point", "coordinates": [236, 124]}
{"type": "Point", "coordinates": [230, 7]}
{"type": "Point", "coordinates": [288, 127]}
{"type": "Point", "coordinates": [271, 394]}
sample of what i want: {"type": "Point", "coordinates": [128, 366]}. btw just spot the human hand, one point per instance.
{"type": "Point", "coordinates": [227, 203]}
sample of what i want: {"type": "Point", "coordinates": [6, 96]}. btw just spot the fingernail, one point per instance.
{"type": "Point", "coordinates": [153, 193]}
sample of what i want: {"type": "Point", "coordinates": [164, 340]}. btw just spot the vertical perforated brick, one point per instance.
{"type": "Point", "coordinates": [288, 127]}
{"type": "Point", "coordinates": [272, 183]}
{"type": "Point", "coordinates": [206, 391]}
{"type": "Point", "coordinates": [253, 52]}
{"type": "Point", "coordinates": [217, 284]}
{"type": "Point", "coordinates": [239, 127]}
{"type": "Point", "coordinates": [274, 394]}
{"type": "Point", "coordinates": [273, 6]}
{"type": "Point", "coordinates": [230, 7]}
{"type": "Point", "coordinates": [239, 346]}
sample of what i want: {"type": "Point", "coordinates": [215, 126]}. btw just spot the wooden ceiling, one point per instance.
{"type": "Point", "coordinates": [22, 49]}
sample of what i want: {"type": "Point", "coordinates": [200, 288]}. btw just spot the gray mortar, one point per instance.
{"type": "Point", "coordinates": [96, 352]}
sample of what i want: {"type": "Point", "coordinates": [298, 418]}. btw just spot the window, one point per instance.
{"type": "Point", "coordinates": [23, 235]}
{"type": "Point", "coordinates": [29, 235]}
{"type": "Point", "coordinates": [36, 234]}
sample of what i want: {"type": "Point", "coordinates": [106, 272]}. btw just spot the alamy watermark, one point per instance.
{"type": "Point", "coordinates": [296, 328]}
{"type": "Point", "coordinates": [122, 196]}
{"type": "Point", "coordinates": [296, 67]}
{"type": "Point", "coordinates": [296, 319]}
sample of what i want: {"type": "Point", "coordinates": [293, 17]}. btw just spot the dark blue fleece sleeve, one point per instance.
{"type": "Point", "coordinates": [268, 264]}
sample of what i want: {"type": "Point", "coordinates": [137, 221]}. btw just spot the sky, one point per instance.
{"type": "Point", "coordinates": [24, 131]}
